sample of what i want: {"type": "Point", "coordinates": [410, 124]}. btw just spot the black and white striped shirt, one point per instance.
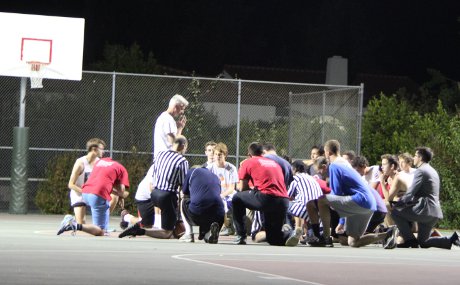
{"type": "Point", "coordinates": [169, 170]}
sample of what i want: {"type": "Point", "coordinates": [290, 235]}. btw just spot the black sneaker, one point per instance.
{"type": "Point", "coordinates": [329, 242]}
{"type": "Point", "coordinates": [239, 240]}
{"type": "Point", "coordinates": [123, 224]}
{"type": "Point", "coordinates": [134, 230]}
{"type": "Point", "coordinates": [317, 242]}
{"type": "Point", "coordinates": [214, 237]}
{"type": "Point", "coordinates": [390, 239]}
{"type": "Point", "coordinates": [68, 224]}
{"type": "Point", "coordinates": [454, 239]}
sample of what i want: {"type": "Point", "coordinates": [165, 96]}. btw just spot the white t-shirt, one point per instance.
{"type": "Point", "coordinates": [373, 175]}
{"type": "Point", "coordinates": [228, 175]}
{"type": "Point", "coordinates": [143, 190]}
{"type": "Point", "coordinates": [407, 177]}
{"type": "Point", "coordinates": [164, 125]}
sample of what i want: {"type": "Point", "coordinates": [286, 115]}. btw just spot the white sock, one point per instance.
{"type": "Point", "coordinates": [187, 226]}
{"type": "Point", "coordinates": [127, 218]}
{"type": "Point", "coordinates": [157, 223]}
{"type": "Point", "coordinates": [207, 235]}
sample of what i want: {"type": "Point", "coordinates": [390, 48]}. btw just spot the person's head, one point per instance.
{"type": "Point", "coordinates": [405, 161]}
{"type": "Point", "coordinates": [180, 144]}
{"type": "Point", "coordinates": [349, 155]}
{"type": "Point", "coordinates": [316, 151]}
{"type": "Point", "coordinates": [255, 149]}
{"type": "Point", "coordinates": [321, 165]}
{"type": "Point", "coordinates": [177, 105]}
{"type": "Point", "coordinates": [209, 150]}
{"type": "Point", "coordinates": [220, 153]}
{"type": "Point", "coordinates": [299, 167]}
{"type": "Point", "coordinates": [360, 164]}
{"type": "Point", "coordinates": [97, 146]}
{"type": "Point", "coordinates": [422, 154]}
{"type": "Point", "coordinates": [390, 164]}
{"type": "Point", "coordinates": [332, 148]}
{"type": "Point", "coordinates": [269, 148]}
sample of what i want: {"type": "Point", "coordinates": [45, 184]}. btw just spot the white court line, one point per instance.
{"type": "Point", "coordinates": [267, 275]}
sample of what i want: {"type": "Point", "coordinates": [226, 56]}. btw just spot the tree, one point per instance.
{"type": "Point", "coordinates": [121, 59]}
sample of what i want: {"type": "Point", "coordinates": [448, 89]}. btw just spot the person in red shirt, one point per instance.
{"type": "Point", "coordinates": [108, 177]}
{"type": "Point", "coordinates": [269, 195]}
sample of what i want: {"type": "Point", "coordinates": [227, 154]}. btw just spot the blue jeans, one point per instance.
{"type": "Point", "coordinates": [100, 209]}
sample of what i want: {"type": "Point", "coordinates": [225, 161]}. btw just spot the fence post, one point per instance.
{"type": "Point", "coordinates": [290, 125]}
{"type": "Point", "coordinates": [360, 117]}
{"type": "Point", "coordinates": [324, 117]}
{"type": "Point", "coordinates": [19, 175]}
{"type": "Point", "coordinates": [238, 119]}
{"type": "Point", "coordinates": [112, 115]}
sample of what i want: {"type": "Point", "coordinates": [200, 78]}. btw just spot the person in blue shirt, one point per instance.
{"type": "Point", "coordinates": [202, 205]}
{"type": "Point", "coordinates": [352, 199]}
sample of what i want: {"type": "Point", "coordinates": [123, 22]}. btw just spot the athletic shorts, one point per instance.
{"type": "Point", "coordinates": [167, 202]}
{"type": "Point", "coordinates": [76, 199]}
{"type": "Point", "coordinates": [146, 211]}
{"type": "Point", "coordinates": [357, 217]}
{"type": "Point", "coordinates": [100, 209]}
{"type": "Point", "coordinates": [298, 209]}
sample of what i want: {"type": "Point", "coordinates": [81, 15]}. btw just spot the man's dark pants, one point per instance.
{"type": "Point", "coordinates": [274, 209]}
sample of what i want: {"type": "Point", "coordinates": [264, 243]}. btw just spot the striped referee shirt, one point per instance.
{"type": "Point", "coordinates": [304, 188]}
{"type": "Point", "coordinates": [169, 170]}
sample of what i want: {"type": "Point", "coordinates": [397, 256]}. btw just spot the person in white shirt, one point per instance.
{"type": "Point", "coordinates": [228, 176]}
{"type": "Point", "coordinates": [166, 128]}
{"type": "Point", "coordinates": [80, 173]}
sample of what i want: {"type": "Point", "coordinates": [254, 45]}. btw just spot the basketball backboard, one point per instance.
{"type": "Point", "coordinates": [31, 42]}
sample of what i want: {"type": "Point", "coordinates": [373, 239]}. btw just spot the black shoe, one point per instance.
{"type": "Point", "coordinates": [134, 230]}
{"type": "Point", "coordinates": [239, 240]}
{"type": "Point", "coordinates": [390, 239]}
{"type": "Point", "coordinates": [410, 243]}
{"type": "Point", "coordinates": [454, 239]}
{"type": "Point", "coordinates": [214, 237]}
{"type": "Point", "coordinates": [317, 242]}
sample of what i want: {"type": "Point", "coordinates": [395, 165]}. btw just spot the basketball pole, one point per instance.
{"type": "Point", "coordinates": [20, 153]}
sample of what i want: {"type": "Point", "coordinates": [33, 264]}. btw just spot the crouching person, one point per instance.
{"type": "Point", "coordinates": [202, 206]}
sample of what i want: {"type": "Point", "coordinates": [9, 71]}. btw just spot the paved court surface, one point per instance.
{"type": "Point", "coordinates": [31, 253]}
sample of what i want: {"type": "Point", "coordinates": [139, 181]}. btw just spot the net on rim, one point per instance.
{"type": "Point", "coordinates": [37, 72]}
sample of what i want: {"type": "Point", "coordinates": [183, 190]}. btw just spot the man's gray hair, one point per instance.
{"type": "Point", "coordinates": [178, 99]}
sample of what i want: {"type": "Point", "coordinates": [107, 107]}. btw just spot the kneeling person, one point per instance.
{"type": "Point", "coordinates": [202, 205]}
{"type": "Point", "coordinates": [169, 171]}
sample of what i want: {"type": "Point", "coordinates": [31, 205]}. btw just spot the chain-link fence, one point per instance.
{"type": "Point", "coordinates": [122, 109]}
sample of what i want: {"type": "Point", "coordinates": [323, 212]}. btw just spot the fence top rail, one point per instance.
{"type": "Point", "coordinates": [221, 79]}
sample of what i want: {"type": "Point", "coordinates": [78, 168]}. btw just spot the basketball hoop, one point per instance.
{"type": "Point", "coordinates": [37, 72]}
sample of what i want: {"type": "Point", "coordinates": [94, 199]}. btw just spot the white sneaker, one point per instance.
{"type": "Point", "coordinates": [293, 240]}
{"type": "Point", "coordinates": [187, 238]}
{"type": "Point", "coordinates": [68, 224]}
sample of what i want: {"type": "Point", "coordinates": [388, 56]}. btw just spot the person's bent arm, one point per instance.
{"type": "Point", "coordinates": [77, 170]}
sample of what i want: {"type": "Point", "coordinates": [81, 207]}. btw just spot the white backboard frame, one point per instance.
{"type": "Point", "coordinates": [57, 42]}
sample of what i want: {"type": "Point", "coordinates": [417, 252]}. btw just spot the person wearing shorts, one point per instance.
{"type": "Point", "coordinates": [108, 177]}
{"type": "Point", "coordinates": [352, 199]}
{"type": "Point", "coordinates": [80, 174]}
{"type": "Point", "coordinates": [143, 203]}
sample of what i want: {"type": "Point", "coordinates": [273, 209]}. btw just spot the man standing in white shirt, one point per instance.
{"type": "Point", "coordinates": [166, 128]}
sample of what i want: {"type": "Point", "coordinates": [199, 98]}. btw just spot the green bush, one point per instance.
{"type": "Point", "coordinates": [391, 126]}
{"type": "Point", "coordinates": [53, 194]}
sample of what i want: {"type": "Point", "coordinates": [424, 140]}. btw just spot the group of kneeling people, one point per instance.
{"type": "Point", "coordinates": [282, 195]}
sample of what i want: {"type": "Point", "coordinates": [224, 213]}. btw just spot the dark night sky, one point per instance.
{"type": "Point", "coordinates": [386, 37]}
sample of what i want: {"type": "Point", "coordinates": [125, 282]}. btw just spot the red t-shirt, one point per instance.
{"type": "Point", "coordinates": [323, 185]}
{"type": "Point", "coordinates": [265, 174]}
{"type": "Point", "coordinates": [106, 173]}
